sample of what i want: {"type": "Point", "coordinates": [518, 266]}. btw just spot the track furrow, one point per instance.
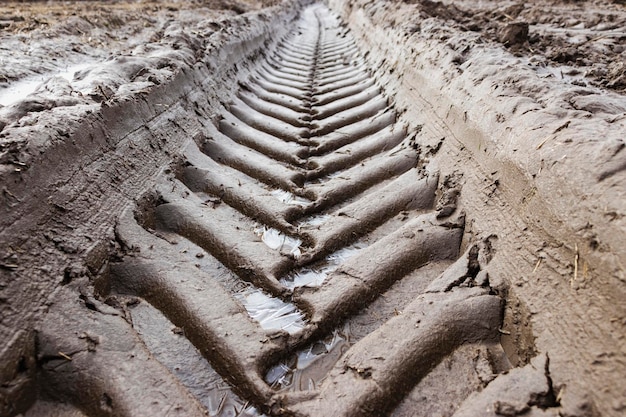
{"type": "Point", "coordinates": [247, 135]}
{"type": "Point", "coordinates": [301, 204]}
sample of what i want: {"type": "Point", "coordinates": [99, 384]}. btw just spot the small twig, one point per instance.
{"type": "Point", "coordinates": [544, 142]}
{"type": "Point", "coordinates": [563, 126]}
{"type": "Point", "coordinates": [575, 265]}
{"type": "Point", "coordinates": [537, 265]}
{"type": "Point", "coordinates": [558, 129]}
{"type": "Point", "coordinates": [63, 355]}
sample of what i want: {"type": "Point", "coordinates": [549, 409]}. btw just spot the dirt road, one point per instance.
{"type": "Point", "coordinates": [356, 208]}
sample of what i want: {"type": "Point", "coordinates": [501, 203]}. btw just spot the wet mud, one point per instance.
{"type": "Point", "coordinates": [301, 209]}
{"type": "Point", "coordinates": [580, 42]}
{"type": "Point", "coordinates": [505, 113]}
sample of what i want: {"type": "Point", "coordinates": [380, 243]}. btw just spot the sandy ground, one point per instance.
{"type": "Point", "coordinates": [530, 95]}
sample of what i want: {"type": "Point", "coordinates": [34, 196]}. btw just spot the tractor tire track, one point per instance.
{"type": "Point", "coordinates": [299, 206]}
{"type": "Point", "coordinates": [312, 124]}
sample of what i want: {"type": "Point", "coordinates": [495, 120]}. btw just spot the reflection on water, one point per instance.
{"type": "Point", "coordinates": [314, 276]}
{"type": "Point", "coordinates": [279, 241]}
{"type": "Point", "coordinates": [20, 89]}
{"type": "Point", "coordinates": [289, 198]}
{"type": "Point", "coordinates": [272, 313]}
{"type": "Point", "coordinates": [314, 221]}
{"type": "Point", "coordinates": [308, 367]}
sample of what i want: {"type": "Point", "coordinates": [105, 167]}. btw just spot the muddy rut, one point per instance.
{"type": "Point", "coordinates": [301, 258]}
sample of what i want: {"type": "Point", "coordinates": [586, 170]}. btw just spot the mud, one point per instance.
{"type": "Point", "coordinates": [548, 169]}
{"type": "Point", "coordinates": [582, 40]}
{"type": "Point", "coordinates": [249, 208]}
{"type": "Point", "coordinates": [169, 346]}
{"type": "Point", "coordinates": [60, 199]}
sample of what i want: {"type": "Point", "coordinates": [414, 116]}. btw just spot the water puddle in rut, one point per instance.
{"type": "Point", "coordinates": [277, 240]}
{"type": "Point", "coordinates": [314, 221]}
{"type": "Point", "coordinates": [272, 313]}
{"type": "Point", "coordinates": [315, 275]}
{"type": "Point", "coordinates": [290, 198]}
{"type": "Point", "coordinates": [307, 368]}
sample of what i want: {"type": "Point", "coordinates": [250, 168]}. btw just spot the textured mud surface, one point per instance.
{"type": "Point", "coordinates": [372, 208]}
{"type": "Point", "coordinates": [549, 171]}
{"type": "Point", "coordinates": [580, 42]}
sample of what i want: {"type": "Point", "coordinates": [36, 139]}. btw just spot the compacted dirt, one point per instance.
{"type": "Point", "coordinates": [352, 208]}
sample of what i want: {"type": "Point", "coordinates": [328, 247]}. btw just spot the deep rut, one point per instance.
{"type": "Point", "coordinates": [304, 248]}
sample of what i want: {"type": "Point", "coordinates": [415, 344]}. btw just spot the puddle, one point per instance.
{"type": "Point", "coordinates": [20, 89]}
{"type": "Point", "coordinates": [273, 238]}
{"type": "Point", "coordinates": [279, 241]}
{"type": "Point", "coordinates": [290, 198]}
{"type": "Point", "coordinates": [307, 368]}
{"type": "Point", "coordinates": [307, 277]}
{"type": "Point", "coordinates": [314, 221]}
{"type": "Point", "coordinates": [342, 255]}
{"type": "Point", "coordinates": [272, 313]}
{"type": "Point", "coordinates": [169, 346]}
{"type": "Point", "coordinates": [315, 276]}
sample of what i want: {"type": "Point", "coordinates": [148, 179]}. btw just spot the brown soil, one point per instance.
{"type": "Point", "coordinates": [47, 36]}
{"type": "Point", "coordinates": [550, 151]}
{"type": "Point", "coordinates": [469, 155]}
{"type": "Point", "coordinates": [584, 40]}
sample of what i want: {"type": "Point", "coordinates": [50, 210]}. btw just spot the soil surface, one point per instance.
{"type": "Point", "coordinates": [581, 42]}
{"type": "Point", "coordinates": [358, 208]}
{"type": "Point", "coordinates": [495, 96]}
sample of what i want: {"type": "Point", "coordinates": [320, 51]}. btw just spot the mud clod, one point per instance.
{"type": "Point", "coordinates": [507, 409]}
{"type": "Point", "coordinates": [513, 34]}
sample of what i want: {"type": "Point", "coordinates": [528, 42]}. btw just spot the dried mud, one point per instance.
{"type": "Point", "coordinates": [278, 208]}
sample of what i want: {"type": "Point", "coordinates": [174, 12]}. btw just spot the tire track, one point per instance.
{"type": "Point", "coordinates": [302, 204]}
